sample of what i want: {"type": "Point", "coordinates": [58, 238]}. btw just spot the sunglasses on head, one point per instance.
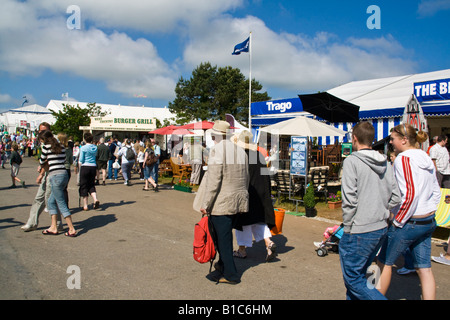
{"type": "Point", "coordinates": [398, 131]}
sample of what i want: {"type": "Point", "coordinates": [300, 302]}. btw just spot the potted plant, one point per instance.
{"type": "Point", "coordinates": [335, 200]}
{"type": "Point", "coordinates": [310, 201]}
{"type": "Point", "coordinates": [183, 185]}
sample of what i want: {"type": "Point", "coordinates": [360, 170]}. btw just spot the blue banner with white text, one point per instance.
{"type": "Point", "coordinates": [277, 106]}
{"type": "Point", "coordinates": [432, 90]}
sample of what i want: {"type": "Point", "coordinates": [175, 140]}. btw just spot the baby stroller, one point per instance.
{"type": "Point", "coordinates": [332, 243]}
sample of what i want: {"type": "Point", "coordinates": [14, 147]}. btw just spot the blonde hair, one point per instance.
{"type": "Point", "coordinates": [62, 138]}
{"type": "Point", "coordinates": [408, 131]}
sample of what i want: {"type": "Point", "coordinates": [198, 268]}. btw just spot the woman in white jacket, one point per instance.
{"type": "Point", "coordinates": [414, 220]}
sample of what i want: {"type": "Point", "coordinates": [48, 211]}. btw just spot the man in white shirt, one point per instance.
{"type": "Point", "coordinates": [439, 155]}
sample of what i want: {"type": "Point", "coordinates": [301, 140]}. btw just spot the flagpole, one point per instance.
{"type": "Point", "coordinates": [250, 87]}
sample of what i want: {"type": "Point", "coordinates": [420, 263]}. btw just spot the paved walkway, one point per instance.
{"type": "Point", "coordinates": [138, 245]}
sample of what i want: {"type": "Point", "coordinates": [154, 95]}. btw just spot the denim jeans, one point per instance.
{"type": "Point", "coordinates": [39, 201]}
{"type": "Point", "coordinates": [110, 170]}
{"type": "Point", "coordinates": [413, 236]}
{"type": "Point", "coordinates": [154, 172]}
{"type": "Point", "coordinates": [357, 252]}
{"type": "Point", "coordinates": [57, 200]}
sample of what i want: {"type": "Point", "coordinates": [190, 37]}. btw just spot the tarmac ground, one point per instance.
{"type": "Point", "coordinates": [138, 246]}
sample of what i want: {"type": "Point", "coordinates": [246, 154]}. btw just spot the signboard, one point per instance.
{"type": "Point", "coordinates": [277, 106]}
{"type": "Point", "coordinates": [432, 90]}
{"type": "Point", "coordinates": [346, 149]}
{"type": "Point", "coordinates": [122, 124]}
{"type": "Point", "coordinates": [299, 156]}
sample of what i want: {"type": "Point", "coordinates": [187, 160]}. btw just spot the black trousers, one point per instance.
{"type": "Point", "coordinates": [223, 226]}
{"type": "Point", "coordinates": [87, 180]}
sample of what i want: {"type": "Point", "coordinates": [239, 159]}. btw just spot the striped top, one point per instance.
{"type": "Point", "coordinates": [55, 161]}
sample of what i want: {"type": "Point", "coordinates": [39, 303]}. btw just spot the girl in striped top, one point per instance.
{"type": "Point", "coordinates": [52, 160]}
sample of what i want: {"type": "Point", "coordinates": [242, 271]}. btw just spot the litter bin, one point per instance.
{"type": "Point", "coordinates": [279, 218]}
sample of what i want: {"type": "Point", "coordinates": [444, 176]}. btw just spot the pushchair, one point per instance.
{"type": "Point", "coordinates": [332, 243]}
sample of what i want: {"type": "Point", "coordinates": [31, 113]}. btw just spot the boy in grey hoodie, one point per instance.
{"type": "Point", "coordinates": [369, 192]}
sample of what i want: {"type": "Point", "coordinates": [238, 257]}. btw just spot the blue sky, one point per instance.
{"type": "Point", "coordinates": [133, 52]}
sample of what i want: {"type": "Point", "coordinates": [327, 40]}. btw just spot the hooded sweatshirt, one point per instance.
{"type": "Point", "coordinates": [88, 155]}
{"type": "Point", "coordinates": [420, 192]}
{"type": "Point", "coordinates": [369, 191]}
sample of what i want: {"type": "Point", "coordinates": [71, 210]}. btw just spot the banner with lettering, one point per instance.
{"type": "Point", "coordinates": [277, 106]}
{"type": "Point", "coordinates": [432, 90]}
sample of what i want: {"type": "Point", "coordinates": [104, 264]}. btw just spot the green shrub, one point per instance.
{"type": "Point", "coordinates": [309, 199]}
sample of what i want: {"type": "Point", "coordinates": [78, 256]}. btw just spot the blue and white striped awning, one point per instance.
{"type": "Point", "coordinates": [382, 120]}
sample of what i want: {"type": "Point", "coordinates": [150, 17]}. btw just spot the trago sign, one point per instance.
{"type": "Point", "coordinates": [277, 106]}
{"type": "Point", "coordinates": [432, 90]}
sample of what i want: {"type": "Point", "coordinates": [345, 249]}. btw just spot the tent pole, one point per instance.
{"type": "Point", "coordinates": [250, 86]}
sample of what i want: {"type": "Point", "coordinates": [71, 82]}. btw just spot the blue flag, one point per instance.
{"type": "Point", "coordinates": [242, 47]}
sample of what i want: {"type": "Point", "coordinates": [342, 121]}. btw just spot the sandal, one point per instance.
{"type": "Point", "coordinates": [238, 254]}
{"type": "Point", "coordinates": [145, 189]}
{"type": "Point", "coordinates": [271, 248]}
{"type": "Point", "coordinates": [46, 233]}
{"type": "Point", "coordinates": [71, 235]}
{"type": "Point", "coordinates": [96, 204]}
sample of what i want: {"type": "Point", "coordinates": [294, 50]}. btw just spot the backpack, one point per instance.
{"type": "Point", "coordinates": [130, 154]}
{"type": "Point", "coordinates": [204, 241]}
{"type": "Point", "coordinates": [151, 159]}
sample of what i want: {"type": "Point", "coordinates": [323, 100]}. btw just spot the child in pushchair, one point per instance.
{"type": "Point", "coordinates": [330, 241]}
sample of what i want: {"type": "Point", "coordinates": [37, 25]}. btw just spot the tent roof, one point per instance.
{"type": "Point", "coordinates": [32, 108]}
{"type": "Point", "coordinates": [384, 93]}
{"type": "Point", "coordinates": [118, 110]}
{"type": "Point", "coordinates": [303, 126]}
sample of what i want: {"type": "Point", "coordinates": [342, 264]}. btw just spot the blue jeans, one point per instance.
{"type": "Point", "coordinates": [154, 172]}
{"type": "Point", "coordinates": [357, 252]}
{"type": "Point", "coordinates": [413, 236]}
{"type": "Point", "coordinates": [57, 200]}
{"type": "Point", "coordinates": [147, 172]}
{"type": "Point", "coordinates": [110, 170]}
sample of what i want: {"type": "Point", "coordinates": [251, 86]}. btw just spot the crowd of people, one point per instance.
{"type": "Point", "coordinates": [12, 148]}
{"type": "Point", "coordinates": [92, 160]}
{"type": "Point", "coordinates": [388, 207]}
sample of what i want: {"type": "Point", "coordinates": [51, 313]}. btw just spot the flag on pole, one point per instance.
{"type": "Point", "coordinates": [242, 47]}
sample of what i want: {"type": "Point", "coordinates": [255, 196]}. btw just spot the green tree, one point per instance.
{"type": "Point", "coordinates": [212, 92]}
{"type": "Point", "coordinates": [70, 118]}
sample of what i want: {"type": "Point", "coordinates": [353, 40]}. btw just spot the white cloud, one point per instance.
{"type": "Point", "coordinates": [297, 62]}
{"type": "Point", "coordinates": [144, 15]}
{"type": "Point", "coordinates": [30, 45]}
{"type": "Point", "coordinates": [34, 38]}
{"type": "Point", "coordinates": [428, 8]}
{"type": "Point", "coordinates": [5, 98]}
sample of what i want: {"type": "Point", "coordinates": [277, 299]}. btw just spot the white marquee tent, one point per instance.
{"type": "Point", "coordinates": [27, 117]}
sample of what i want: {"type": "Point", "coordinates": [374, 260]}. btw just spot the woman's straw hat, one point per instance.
{"type": "Point", "coordinates": [244, 139]}
{"type": "Point", "coordinates": [220, 127]}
